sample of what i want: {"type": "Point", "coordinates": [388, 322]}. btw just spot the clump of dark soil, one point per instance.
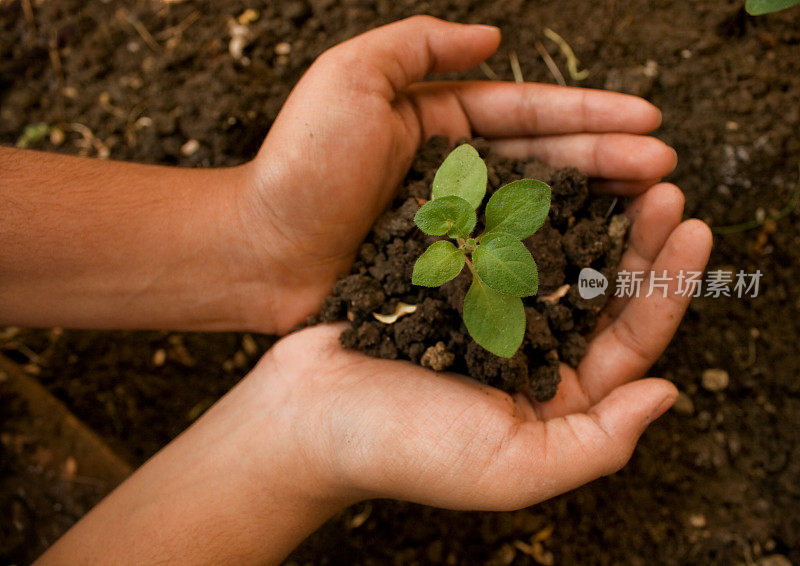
{"type": "Point", "coordinates": [579, 232]}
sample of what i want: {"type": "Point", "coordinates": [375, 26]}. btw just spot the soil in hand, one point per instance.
{"type": "Point", "coordinates": [579, 232]}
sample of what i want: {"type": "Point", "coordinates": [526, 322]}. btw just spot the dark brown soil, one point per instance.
{"type": "Point", "coordinates": [52, 468]}
{"type": "Point", "coordinates": [575, 235]}
{"type": "Point", "coordinates": [715, 483]}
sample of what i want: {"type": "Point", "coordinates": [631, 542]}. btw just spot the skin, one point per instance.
{"type": "Point", "coordinates": [315, 428]}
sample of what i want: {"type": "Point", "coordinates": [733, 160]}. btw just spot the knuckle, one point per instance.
{"type": "Point", "coordinates": [528, 108]}
{"type": "Point", "coordinates": [630, 340]}
{"type": "Point", "coordinates": [344, 66]}
{"type": "Point", "coordinates": [613, 451]}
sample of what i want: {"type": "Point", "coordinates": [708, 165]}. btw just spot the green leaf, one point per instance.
{"type": "Point", "coordinates": [494, 320]}
{"type": "Point", "coordinates": [463, 174]}
{"type": "Point", "coordinates": [519, 208]}
{"type": "Point", "coordinates": [760, 7]}
{"type": "Point", "coordinates": [438, 264]}
{"type": "Point", "coordinates": [445, 215]}
{"type": "Point", "coordinates": [506, 265]}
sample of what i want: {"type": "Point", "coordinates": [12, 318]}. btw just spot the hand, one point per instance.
{"type": "Point", "coordinates": [314, 428]}
{"type": "Point", "coordinates": [348, 132]}
{"type": "Point", "coordinates": [393, 429]}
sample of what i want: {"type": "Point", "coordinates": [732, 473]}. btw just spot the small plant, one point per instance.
{"type": "Point", "coordinates": [759, 7]}
{"type": "Point", "coordinates": [502, 268]}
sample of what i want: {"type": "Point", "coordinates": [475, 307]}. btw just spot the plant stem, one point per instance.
{"type": "Point", "coordinates": [471, 267]}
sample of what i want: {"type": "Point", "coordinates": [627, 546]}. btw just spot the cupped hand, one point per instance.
{"type": "Point", "coordinates": [349, 130]}
{"type": "Point", "coordinates": [380, 428]}
{"type": "Point", "coordinates": [314, 428]}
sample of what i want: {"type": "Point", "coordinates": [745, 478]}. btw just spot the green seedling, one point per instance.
{"type": "Point", "coordinates": [760, 7]}
{"type": "Point", "coordinates": [503, 270]}
{"type": "Point", "coordinates": [32, 134]}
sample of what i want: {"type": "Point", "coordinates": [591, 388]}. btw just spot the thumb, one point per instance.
{"type": "Point", "coordinates": [405, 51]}
{"type": "Point", "coordinates": [582, 447]}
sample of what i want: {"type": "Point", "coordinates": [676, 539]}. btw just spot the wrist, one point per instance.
{"type": "Point", "coordinates": [248, 283]}
{"type": "Point", "coordinates": [242, 275]}
{"type": "Point", "coordinates": [312, 410]}
{"type": "Point", "coordinates": [203, 274]}
{"type": "Point", "coordinates": [289, 277]}
{"type": "Point", "coordinates": [286, 425]}
{"type": "Point", "coordinates": [242, 461]}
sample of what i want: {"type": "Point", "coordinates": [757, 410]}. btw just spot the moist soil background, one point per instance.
{"type": "Point", "coordinates": [713, 482]}
{"type": "Point", "coordinates": [580, 231]}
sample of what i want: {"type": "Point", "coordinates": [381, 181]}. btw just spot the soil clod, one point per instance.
{"type": "Point", "coordinates": [580, 232]}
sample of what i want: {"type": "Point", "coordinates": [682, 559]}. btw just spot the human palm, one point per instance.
{"type": "Point", "coordinates": [348, 133]}
{"type": "Point", "coordinates": [392, 429]}
{"type": "Point", "coordinates": [387, 428]}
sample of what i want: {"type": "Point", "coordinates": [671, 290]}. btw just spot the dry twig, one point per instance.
{"type": "Point", "coordinates": [30, 19]}
{"type": "Point", "coordinates": [179, 28]}
{"type": "Point", "coordinates": [554, 70]}
{"type": "Point", "coordinates": [90, 140]}
{"type": "Point", "coordinates": [137, 25]}
{"type": "Point", "coordinates": [487, 70]}
{"type": "Point", "coordinates": [516, 70]}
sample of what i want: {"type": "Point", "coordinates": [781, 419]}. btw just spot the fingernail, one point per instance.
{"type": "Point", "coordinates": [485, 27]}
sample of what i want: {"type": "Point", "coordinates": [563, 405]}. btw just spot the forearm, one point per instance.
{"type": "Point", "coordinates": [233, 489]}
{"type": "Point", "coordinates": [101, 244]}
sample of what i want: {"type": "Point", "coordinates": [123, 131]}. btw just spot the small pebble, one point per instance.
{"type": "Point", "coordinates": [715, 379]}
{"type": "Point", "coordinates": [190, 147]}
{"type": "Point", "coordinates": [283, 48]}
{"type": "Point", "coordinates": [683, 404]}
{"type": "Point", "coordinates": [70, 468]}
{"type": "Point", "coordinates": [361, 518]}
{"type": "Point", "coordinates": [57, 136]}
{"type": "Point", "coordinates": [697, 520]}
{"type": "Point", "coordinates": [505, 555]}
{"type": "Point", "coordinates": [437, 357]}
{"type": "Point", "coordinates": [239, 359]}
{"type": "Point", "coordinates": [248, 16]}
{"type": "Point", "coordinates": [249, 345]}
{"type": "Point", "coordinates": [159, 357]}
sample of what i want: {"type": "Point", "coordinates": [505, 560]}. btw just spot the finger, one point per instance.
{"type": "Point", "coordinates": [570, 397]}
{"type": "Point", "coordinates": [404, 52]}
{"type": "Point", "coordinates": [580, 447]}
{"type": "Point", "coordinates": [654, 215]}
{"type": "Point", "coordinates": [611, 156]}
{"type": "Point", "coordinates": [505, 109]}
{"type": "Point", "coordinates": [619, 188]}
{"type": "Point", "coordinates": [634, 340]}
